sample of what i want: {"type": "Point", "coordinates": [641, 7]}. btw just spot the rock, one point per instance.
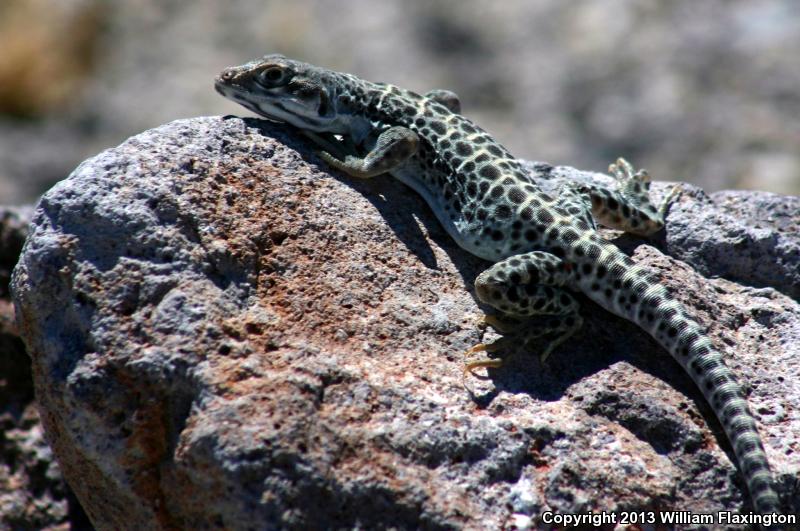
{"type": "Point", "coordinates": [747, 237]}
{"type": "Point", "coordinates": [223, 332]}
{"type": "Point", "coordinates": [13, 230]}
{"type": "Point", "coordinates": [33, 495]}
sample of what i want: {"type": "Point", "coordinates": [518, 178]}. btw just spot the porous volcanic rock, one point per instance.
{"type": "Point", "coordinates": [33, 495]}
{"type": "Point", "coordinates": [226, 334]}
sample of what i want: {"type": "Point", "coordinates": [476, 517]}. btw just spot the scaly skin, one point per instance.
{"type": "Point", "coordinates": [545, 247]}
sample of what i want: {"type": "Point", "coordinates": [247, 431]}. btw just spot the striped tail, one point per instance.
{"type": "Point", "coordinates": [629, 291]}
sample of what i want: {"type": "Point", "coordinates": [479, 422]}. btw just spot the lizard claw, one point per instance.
{"type": "Point", "coordinates": [471, 366]}
{"type": "Point", "coordinates": [480, 347]}
{"type": "Point", "coordinates": [621, 169]}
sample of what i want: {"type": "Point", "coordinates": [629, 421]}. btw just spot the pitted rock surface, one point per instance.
{"type": "Point", "coordinates": [226, 334]}
{"type": "Point", "coordinates": [33, 494]}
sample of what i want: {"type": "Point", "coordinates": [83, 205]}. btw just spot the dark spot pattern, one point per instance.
{"type": "Point", "coordinates": [463, 149]}
{"type": "Point", "coordinates": [495, 150]}
{"type": "Point", "coordinates": [516, 195]}
{"type": "Point", "coordinates": [502, 212]}
{"type": "Point", "coordinates": [438, 127]}
{"type": "Point", "coordinates": [489, 172]}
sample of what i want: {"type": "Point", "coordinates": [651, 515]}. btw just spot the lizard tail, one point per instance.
{"type": "Point", "coordinates": [627, 289]}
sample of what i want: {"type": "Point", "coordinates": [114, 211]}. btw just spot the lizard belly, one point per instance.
{"type": "Point", "coordinates": [465, 234]}
{"type": "Point", "coordinates": [469, 235]}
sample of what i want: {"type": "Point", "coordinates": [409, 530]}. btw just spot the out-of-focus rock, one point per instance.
{"type": "Point", "coordinates": [33, 494]}
{"type": "Point", "coordinates": [48, 53]}
{"type": "Point", "coordinates": [704, 93]}
{"type": "Point", "coordinates": [13, 230]}
{"type": "Point", "coordinates": [225, 334]}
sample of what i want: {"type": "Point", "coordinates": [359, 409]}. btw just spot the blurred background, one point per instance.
{"type": "Point", "coordinates": [706, 92]}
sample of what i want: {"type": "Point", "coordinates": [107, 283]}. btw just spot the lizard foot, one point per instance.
{"type": "Point", "coordinates": [502, 325]}
{"type": "Point", "coordinates": [630, 181]}
{"type": "Point", "coordinates": [489, 363]}
{"type": "Point", "coordinates": [671, 196]}
{"type": "Point", "coordinates": [549, 332]}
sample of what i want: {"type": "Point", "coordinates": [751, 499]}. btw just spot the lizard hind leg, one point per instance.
{"type": "Point", "coordinates": [547, 332]}
{"type": "Point", "coordinates": [628, 207]}
{"type": "Point", "coordinates": [528, 290]}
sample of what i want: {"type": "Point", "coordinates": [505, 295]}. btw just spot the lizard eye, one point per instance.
{"type": "Point", "coordinates": [272, 76]}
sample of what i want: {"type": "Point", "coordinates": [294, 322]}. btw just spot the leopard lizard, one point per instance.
{"type": "Point", "coordinates": [544, 246]}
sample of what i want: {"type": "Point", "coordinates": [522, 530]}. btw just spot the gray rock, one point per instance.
{"type": "Point", "coordinates": [747, 237]}
{"type": "Point", "coordinates": [13, 231]}
{"type": "Point", "coordinates": [33, 495]}
{"type": "Point", "coordinates": [225, 334]}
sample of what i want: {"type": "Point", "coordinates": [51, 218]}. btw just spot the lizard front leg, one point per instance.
{"type": "Point", "coordinates": [393, 147]}
{"type": "Point", "coordinates": [524, 286]}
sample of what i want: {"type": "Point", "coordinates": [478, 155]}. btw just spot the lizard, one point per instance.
{"type": "Point", "coordinates": [544, 246]}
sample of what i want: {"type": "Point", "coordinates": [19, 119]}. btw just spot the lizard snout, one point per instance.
{"type": "Point", "coordinates": [227, 74]}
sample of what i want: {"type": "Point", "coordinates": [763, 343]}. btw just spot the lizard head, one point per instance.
{"type": "Point", "coordinates": [282, 90]}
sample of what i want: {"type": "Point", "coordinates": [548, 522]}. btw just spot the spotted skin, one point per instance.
{"type": "Point", "coordinates": [545, 247]}
{"type": "Point", "coordinates": [447, 98]}
{"type": "Point", "coordinates": [523, 286]}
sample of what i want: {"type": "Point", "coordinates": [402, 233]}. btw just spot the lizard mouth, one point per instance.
{"type": "Point", "coordinates": [307, 106]}
{"type": "Point", "coordinates": [239, 96]}
{"type": "Point", "coordinates": [219, 87]}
